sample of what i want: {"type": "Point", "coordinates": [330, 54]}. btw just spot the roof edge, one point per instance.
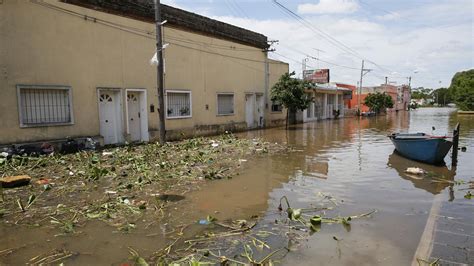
{"type": "Point", "coordinates": [143, 10]}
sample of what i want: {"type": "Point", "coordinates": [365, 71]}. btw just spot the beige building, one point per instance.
{"type": "Point", "coordinates": [328, 102]}
{"type": "Point", "coordinates": [82, 68]}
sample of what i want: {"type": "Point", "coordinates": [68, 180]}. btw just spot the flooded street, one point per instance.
{"type": "Point", "coordinates": [353, 161]}
{"type": "Point", "coordinates": [349, 161]}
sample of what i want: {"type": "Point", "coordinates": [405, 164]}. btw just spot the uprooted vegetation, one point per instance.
{"type": "Point", "coordinates": [134, 187]}
{"type": "Point", "coordinates": [256, 241]}
{"type": "Point", "coordinates": [118, 185]}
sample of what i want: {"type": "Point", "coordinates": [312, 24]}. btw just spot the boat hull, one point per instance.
{"type": "Point", "coordinates": [428, 150]}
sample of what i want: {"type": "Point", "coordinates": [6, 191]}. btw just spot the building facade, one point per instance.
{"type": "Point", "coordinates": [401, 97]}
{"type": "Point", "coordinates": [82, 68]}
{"type": "Point", "coordinates": [328, 102]}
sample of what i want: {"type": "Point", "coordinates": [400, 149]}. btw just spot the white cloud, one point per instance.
{"type": "Point", "coordinates": [170, 2]}
{"type": "Point", "coordinates": [389, 16]}
{"type": "Point", "coordinates": [397, 50]}
{"type": "Point", "coordinates": [418, 45]}
{"type": "Point", "coordinates": [351, 25]}
{"type": "Point", "coordinates": [329, 7]}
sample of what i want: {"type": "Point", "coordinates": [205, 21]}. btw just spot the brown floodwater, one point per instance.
{"type": "Point", "coordinates": [349, 159]}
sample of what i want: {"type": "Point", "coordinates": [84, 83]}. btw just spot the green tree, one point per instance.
{"type": "Point", "coordinates": [441, 96]}
{"type": "Point", "coordinates": [421, 93]}
{"type": "Point", "coordinates": [378, 102]}
{"type": "Point", "coordinates": [291, 93]}
{"type": "Point", "coordinates": [462, 90]}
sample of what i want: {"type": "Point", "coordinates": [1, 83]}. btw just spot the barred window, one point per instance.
{"type": "Point", "coordinates": [178, 104]}
{"type": "Point", "coordinates": [225, 104]}
{"type": "Point", "coordinates": [44, 105]}
{"type": "Point", "coordinates": [276, 107]}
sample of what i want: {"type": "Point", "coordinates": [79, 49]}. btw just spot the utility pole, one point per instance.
{"type": "Point", "coordinates": [360, 86]}
{"type": "Point", "coordinates": [304, 67]}
{"type": "Point", "coordinates": [409, 82]}
{"type": "Point", "coordinates": [318, 50]}
{"type": "Point", "coordinates": [159, 75]}
{"type": "Point", "coordinates": [363, 71]}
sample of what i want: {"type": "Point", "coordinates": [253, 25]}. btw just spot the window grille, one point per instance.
{"type": "Point", "coordinates": [276, 107]}
{"type": "Point", "coordinates": [225, 104]}
{"type": "Point", "coordinates": [43, 105]}
{"type": "Point", "coordinates": [178, 104]}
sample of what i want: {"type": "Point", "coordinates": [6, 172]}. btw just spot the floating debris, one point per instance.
{"type": "Point", "coordinates": [468, 195]}
{"type": "Point", "coordinates": [415, 171]}
{"type": "Point", "coordinates": [246, 242]}
{"type": "Point", "coordinates": [118, 185]}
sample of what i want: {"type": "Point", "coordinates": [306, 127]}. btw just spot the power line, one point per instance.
{"type": "Point", "coordinates": [140, 32]}
{"type": "Point", "coordinates": [176, 41]}
{"type": "Point", "coordinates": [319, 32]}
{"type": "Point", "coordinates": [289, 58]}
{"type": "Point", "coordinates": [231, 8]}
{"type": "Point", "coordinates": [326, 36]}
{"type": "Point", "coordinates": [318, 59]}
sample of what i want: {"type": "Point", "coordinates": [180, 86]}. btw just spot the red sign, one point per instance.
{"type": "Point", "coordinates": [317, 76]}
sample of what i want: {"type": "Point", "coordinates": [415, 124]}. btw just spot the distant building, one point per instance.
{"type": "Point", "coordinates": [348, 96]}
{"type": "Point", "coordinates": [328, 102]}
{"type": "Point", "coordinates": [401, 97]}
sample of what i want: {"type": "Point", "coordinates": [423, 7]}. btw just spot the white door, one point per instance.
{"type": "Point", "coordinates": [260, 110]}
{"type": "Point", "coordinates": [134, 120]}
{"type": "Point", "coordinates": [108, 117]}
{"type": "Point", "coordinates": [249, 109]}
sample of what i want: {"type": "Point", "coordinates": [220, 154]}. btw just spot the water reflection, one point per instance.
{"type": "Point", "coordinates": [433, 182]}
{"type": "Point", "coordinates": [352, 160]}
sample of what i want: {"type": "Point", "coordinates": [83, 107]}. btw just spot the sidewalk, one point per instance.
{"type": "Point", "coordinates": [449, 233]}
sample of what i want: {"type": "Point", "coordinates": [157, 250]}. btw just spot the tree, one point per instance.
{"type": "Point", "coordinates": [441, 96]}
{"type": "Point", "coordinates": [291, 93]}
{"type": "Point", "coordinates": [462, 90]}
{"type": "Point", "coordinates": [378, 102]}
{"type": "Point", "coordinates": [421, 93]}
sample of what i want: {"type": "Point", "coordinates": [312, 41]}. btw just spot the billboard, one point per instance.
{"type": "Point", "coordinates": [317, 75]}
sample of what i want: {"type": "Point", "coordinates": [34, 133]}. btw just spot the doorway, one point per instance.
{"type": "Point", "coordinates": [110, 118]}
{"type": "Point", "coordinates": [137, 119]}
{"type": "Point", "coordinates": [250, 110]}
{"type": "Point", "coordinates": [260, 110]}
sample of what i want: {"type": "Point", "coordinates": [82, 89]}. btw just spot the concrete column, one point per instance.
{"type": "Point", "coordinates": [342, 111]}
{"type": "Point", "coordinates": [336, 102]}
{"type": "Point", "coordinates": [325, 106]}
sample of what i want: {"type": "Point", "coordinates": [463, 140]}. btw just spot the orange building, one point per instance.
{"type": "Point", "coordinates": [400, 96]}
{"type": "Point", "coordinates": [348, 102]}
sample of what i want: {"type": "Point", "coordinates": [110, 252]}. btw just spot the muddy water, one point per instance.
{"type": "Point", "coordinates": [353, 161]}
{"type": "Point", "coordinates": [349, 159]}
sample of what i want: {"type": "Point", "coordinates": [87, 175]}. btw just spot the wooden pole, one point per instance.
{"type": "Point", "coordinates": [454, 157]}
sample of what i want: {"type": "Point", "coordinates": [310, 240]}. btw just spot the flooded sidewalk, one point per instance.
{"type": "Point", "coordinates": [351, 203]}
{"type": "Point", "coordinates": [448, 237]}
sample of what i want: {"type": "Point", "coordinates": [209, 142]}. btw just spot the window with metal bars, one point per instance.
{"type": "Point", "coordinates": [277, 107]}
{"type": "Point", "coordinates": [225, 104]}
{"type": "Point", "coordinates": [44, 105]}
{"type": "Point", "coordinates": [178, 104]}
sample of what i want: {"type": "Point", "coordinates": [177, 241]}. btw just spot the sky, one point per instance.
{"type": "Point", "coordinates": [427, 40]}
